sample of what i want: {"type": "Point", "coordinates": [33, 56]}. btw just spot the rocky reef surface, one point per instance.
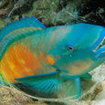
{"type": "Point", "coordinates": [52, 13]}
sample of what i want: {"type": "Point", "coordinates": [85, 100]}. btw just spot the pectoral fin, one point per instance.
{"type": "Point", "coordinates": [52, 85]}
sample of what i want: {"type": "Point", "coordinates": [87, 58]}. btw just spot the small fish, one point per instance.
{"type": "Point", "coordinates": [48, 63]}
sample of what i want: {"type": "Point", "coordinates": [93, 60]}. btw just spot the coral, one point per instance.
{"type": "Point", "coordinates": [6, 6]}
{"type": "Point", "coordinates": [54, 13]}
{"type": "Point", "coordinates": [49, 12]}
{"type": "Point", "coordinates": [93, 12]}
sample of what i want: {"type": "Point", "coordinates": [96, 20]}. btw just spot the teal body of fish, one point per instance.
{"type": "Point", "coordinates": [49, 62]}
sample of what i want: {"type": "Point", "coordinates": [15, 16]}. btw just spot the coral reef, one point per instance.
{"type": "Point", "coordinates": [49, 12]}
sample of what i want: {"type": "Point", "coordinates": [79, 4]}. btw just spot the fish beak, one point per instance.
{"type": "Point", "coordinates": [100, 42]}
{"type": "Point", "coordinates": [100, 52]}
{"type": "Point", "coordinates": [100, 45]}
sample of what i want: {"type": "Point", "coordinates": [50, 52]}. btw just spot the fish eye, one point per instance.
{"type": "Point", "coordinates": [70, 47]}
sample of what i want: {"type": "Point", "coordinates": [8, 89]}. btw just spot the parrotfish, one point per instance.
{"type": "Point", "coordinates": [48, 63]}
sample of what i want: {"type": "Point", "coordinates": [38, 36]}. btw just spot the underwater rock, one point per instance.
{"type": "Point", "coordinates": [93, 12]}
{"type": "Point", "coordinates": [54, 13]}
{"type": "Point", "coordinates": [100, 98]}
{"type": "Point", "coordinates": [5, 7]}
{"type": "Point", "coordinates": [50, 13]}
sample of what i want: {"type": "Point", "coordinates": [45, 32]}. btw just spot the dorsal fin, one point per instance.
{"type": "Point", "coordinates": [23, 22]}
{"type": "Point", "coordinates": [17, 35]}
{"type": "Point", "coordinates": [15, 30]}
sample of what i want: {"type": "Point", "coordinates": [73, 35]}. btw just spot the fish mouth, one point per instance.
{"type": "Point", "coordinates": [100, 45]}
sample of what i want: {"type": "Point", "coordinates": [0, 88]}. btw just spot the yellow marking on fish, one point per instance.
{"type": "Point", "coordinates": [12, 65]}
{"type": "Point", "coordinates": [26, 69]}
{"type": "Point", "coordinates": [103, 52]}
{"type": "Point", "coordinates": [22, 61]}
